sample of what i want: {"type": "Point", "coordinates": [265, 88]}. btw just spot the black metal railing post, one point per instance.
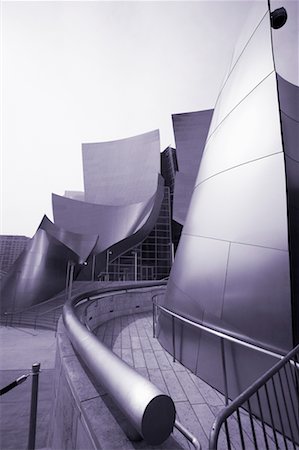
{"type": "Point", "coordinates": [33, 406]}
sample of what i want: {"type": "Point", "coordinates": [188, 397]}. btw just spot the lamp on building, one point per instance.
{"type": "Point", "coordinates": [278, 18]}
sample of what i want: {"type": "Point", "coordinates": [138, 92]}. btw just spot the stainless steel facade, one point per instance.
{"type": "Point", "coordinates": [86, 231]}
{"type": "Point", "coordinates": [190, 131]}
{"type": "Point", "coordinates": [236, 267]}
{"type": "Point", "coordinates": [38, 274]}
{"type": "Point", "coordinates": [122, 172]}
{"type": "Point", "coordinates": [152, 258]}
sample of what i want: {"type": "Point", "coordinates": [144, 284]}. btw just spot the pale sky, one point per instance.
{"type": "Point", "coordinates": [75, 72]}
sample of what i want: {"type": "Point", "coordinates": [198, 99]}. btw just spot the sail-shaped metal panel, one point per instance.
{"type": "Point", "coordinates": [122, 172]}
{"type": "Point", "coordinates": [233, 269]}
{"type": "Point", "coordinates": [190, 131]}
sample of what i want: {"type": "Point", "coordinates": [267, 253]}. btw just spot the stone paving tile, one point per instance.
{"type": "Point", "coordinates": [157, 379]}
{"type": "Point", "coordinates": [133, 330]}
{"type": "Point", "coordinates": [210, 395]}
{"type": "Point", "coordinates": [138, 358]}
{"type": "Point", "coordinates": [174, 387]}
{"type": "Point", "coordinates": [188, 418]}
{"type": "Point", "coordinates": [162, 360]}
{"type": "Point", "coordinates": [150, 359]}
{"type": "Point", "coordinates": [100, 332]}
{"type": "Point", "coordinates": [191, 390]}
{"type": "Point", "coordinates": [204, 416]}
{"type": "Point", "coordinates": [154, 343]}
{"type": "Point", "coordinates": [117, 341]}
{"type": "Point", "coordinates": [135, 342]}
{"type": "Point", "coordinates": [125, 341]}
{"type": "Point", "coordinates": [117, 351]}
{"type": "Point", "coordinates": [176, 366]}
{"type": "Point", "coordinates": [145, 343]}
{"type": "Point", "coordinates": [108, 340]}
{"type": "Point", "coordinates": [143, 371]}
{"type": "Point", "coordinates": [127, 356]}
{"type": "Point", "coordinates": [117, 326]}
{"type": "Point", "coordinates": [110, 327]}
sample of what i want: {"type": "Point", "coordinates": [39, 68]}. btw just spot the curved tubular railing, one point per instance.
{"type": "Point", "coordinates": [149, 410]}
{"type": "Point", "coordinates": [289, 389]}
{"type": "Point", "coordinates": [216, 332]}
{"type": "Point", "coordinates": [291, 410]}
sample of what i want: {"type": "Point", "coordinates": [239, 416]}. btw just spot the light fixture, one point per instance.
{"type": "Point", "coordinates": [278, 18]}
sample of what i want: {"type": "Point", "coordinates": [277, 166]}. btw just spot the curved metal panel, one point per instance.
{"type": "Point", "coordinates": [76, 195]}
{"type": "Point", "coordinates": [183, 188]}
{"type": "Point", "coordinates": [232, 268]}
{"type": "Point", "coordinates": [288, 98]}
{"type": "Point", "coordinates": [290, 129]}
{"type": "Point", "coordinates": [260, 109]}
{"type": "Point", "coordinates": [38, 273]}
{"type": "Point", "coordinates": [190, 130]}
{"type": "Point", "coordinates": [131, 239]}
{"type": "Point", "coordinates": [111, 223]}
{"type": "Point", "coordinates": [81, 244]}
{"type": "Point", "coordinates": [112, 174]}
{"type": "Point", "coordinates": [253, 66]}
{"type": "Point", "coordinates": [210, 255]}
{"type": "Point", "coordinates": [256, 14]}
{"type": "Point", "coordinates": [289, 105]}
{"type": "Point", "coordinates": [256, 295]}
{"type": "Point", "coordinates": [246, 204]}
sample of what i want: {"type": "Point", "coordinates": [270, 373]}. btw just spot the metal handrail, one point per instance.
{"type": "Point", "coordinates": [185, 432]}
{"type": "Point", "coordinates": [290, 358]}
{"type": "Point", "coordinates": [245, 396]}
{"type": "Point", "coordinates": [217, 332]}
{"type": "Point", "coordinates": [143, 404]}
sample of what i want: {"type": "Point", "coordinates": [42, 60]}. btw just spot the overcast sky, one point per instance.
{"type": "Point", "coordinates": [75, 72]}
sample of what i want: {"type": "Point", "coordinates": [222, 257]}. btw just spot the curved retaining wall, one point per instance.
{"type": "Point", "coordinates": [84, 416]}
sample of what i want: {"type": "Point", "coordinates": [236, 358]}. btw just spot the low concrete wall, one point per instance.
{"type": "Point", "coordinates": [84, 417]}
{"type": "Point", "coordinates": [132, 302]}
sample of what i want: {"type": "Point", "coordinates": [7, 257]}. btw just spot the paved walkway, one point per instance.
{"type": "Point", "coordinates": [197, 404]}
{"type": "Point", "coordinates": [19, 349]}
{"type": "Point", "coordinates": [131, 338]}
